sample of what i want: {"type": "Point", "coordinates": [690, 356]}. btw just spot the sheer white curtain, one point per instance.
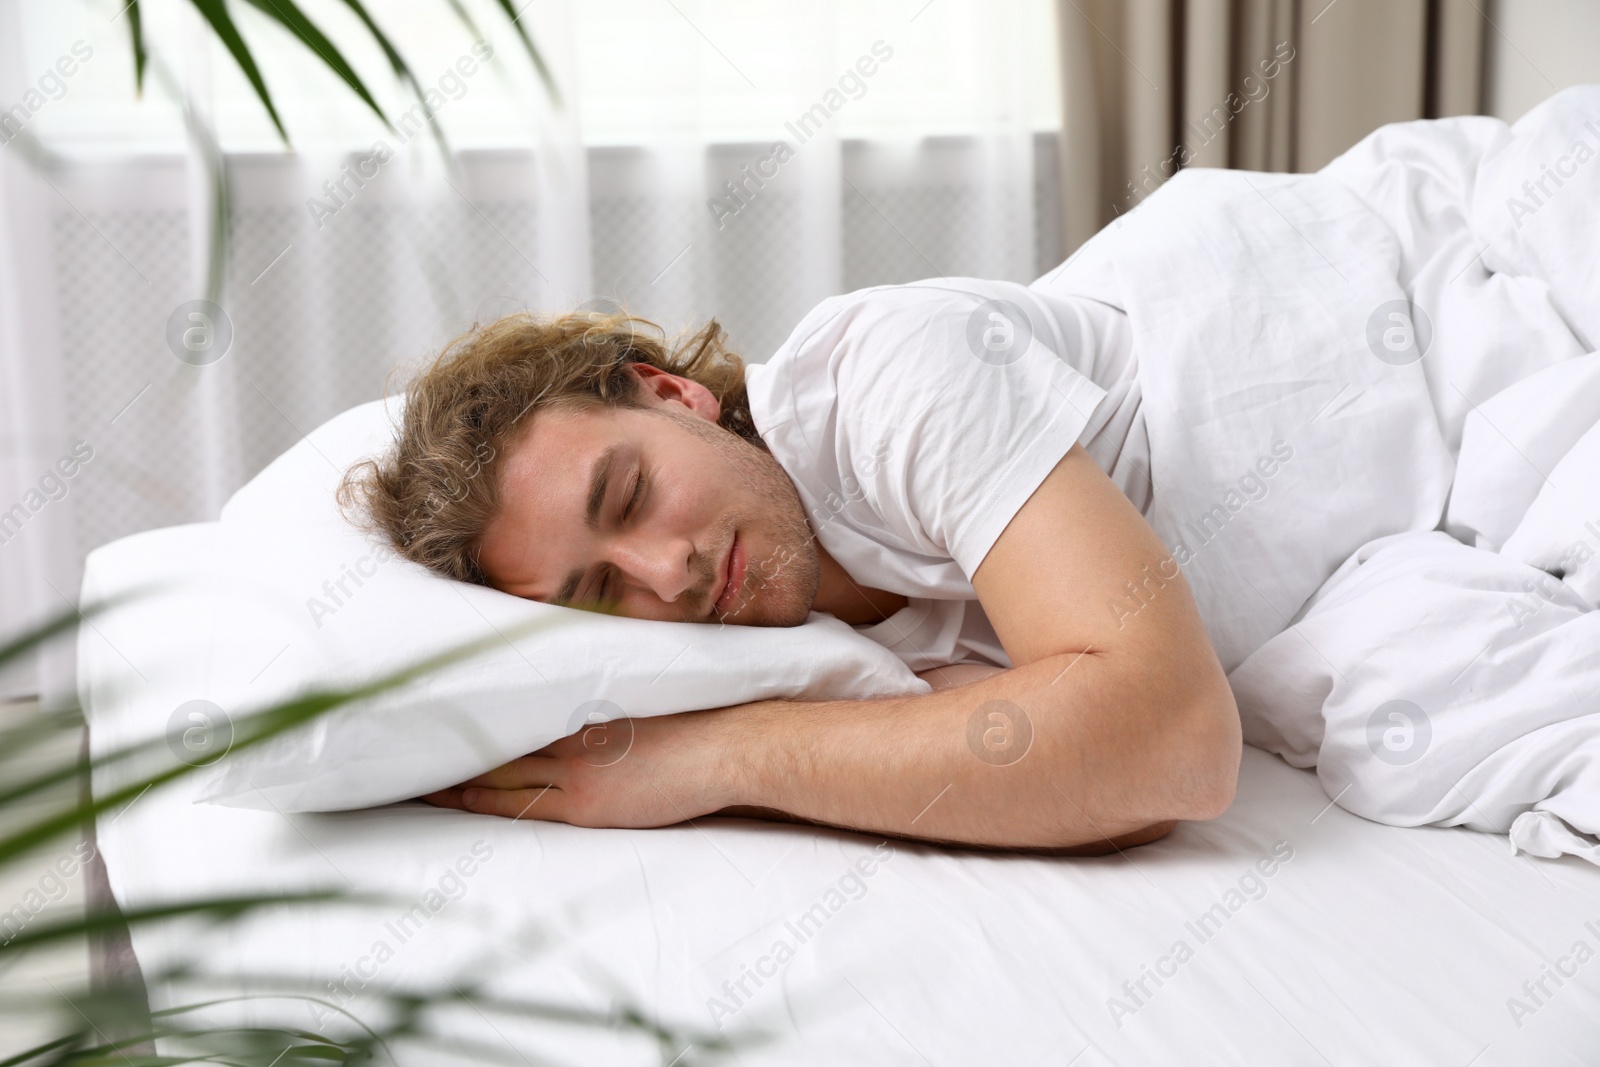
{"type": "Point", "coordinates": [733, 159]}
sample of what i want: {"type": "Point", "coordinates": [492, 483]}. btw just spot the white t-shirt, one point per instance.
{"type": "Point", "coordinates": [916, 420]}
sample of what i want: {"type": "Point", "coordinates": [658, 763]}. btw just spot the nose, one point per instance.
{"type": "Point", "coordinates": [661, 564]}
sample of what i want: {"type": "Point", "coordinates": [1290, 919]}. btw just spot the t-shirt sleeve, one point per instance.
{"type": "Point", "coordinates": [952, 410]}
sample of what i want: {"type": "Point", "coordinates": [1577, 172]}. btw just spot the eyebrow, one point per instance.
{"type": "Point", "coordinates": [599, 479]}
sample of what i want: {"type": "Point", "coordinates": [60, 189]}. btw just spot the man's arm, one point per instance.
{"type": "Point", "coordinates": [967, 673]}
{"type": "Point", "coordinates": [947, 677]}
{"type": "Point", "coordinates": [1112, 722]}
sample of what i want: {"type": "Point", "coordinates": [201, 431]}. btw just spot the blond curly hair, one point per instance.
{"type": "Point", "coordinates": [433, 494]}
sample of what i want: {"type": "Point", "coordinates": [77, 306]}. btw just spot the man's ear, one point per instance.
{"type": "Point", "coordinates": [663, 388]}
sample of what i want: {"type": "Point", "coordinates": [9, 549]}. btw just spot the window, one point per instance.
{"type": "Point", "coordinates": [634, 71]}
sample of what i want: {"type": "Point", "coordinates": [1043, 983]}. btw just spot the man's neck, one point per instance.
{"type": "Point", "coordinates": [844, 598]}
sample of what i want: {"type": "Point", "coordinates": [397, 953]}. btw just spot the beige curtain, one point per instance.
{"type": "Point", "coordinates": [1152, 86]}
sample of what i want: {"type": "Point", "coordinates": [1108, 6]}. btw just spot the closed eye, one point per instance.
{"type": "Point", "coordinates": [609, 595]}
{"type": "Point", "coordinates": [637, 495]}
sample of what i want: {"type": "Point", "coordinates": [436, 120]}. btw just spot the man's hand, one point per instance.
{"type": "Point", "coordinates": [634, 773]}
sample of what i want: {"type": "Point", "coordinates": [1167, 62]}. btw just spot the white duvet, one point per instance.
{"type": "Point", "coordinates": [1405, 340]}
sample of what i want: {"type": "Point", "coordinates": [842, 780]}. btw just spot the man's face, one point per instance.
{"type": "Point", "coordinates": [653, 514]}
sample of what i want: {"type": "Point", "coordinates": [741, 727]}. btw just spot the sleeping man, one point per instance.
{"type": "Point", "coordinates": [926, 462]}
{"type": "Point", "coordinates": [1303, 461]}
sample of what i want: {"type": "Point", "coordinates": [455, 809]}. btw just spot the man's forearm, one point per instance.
{"type": "Point", "coordinates": [1047, 755]}
{"type": "Point", "coordinates": [1100, 847]}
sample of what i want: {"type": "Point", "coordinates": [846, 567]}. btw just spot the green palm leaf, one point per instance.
{"type": "Point", "coordinates": [61, 623]}
{"type": "Point", "coordinates": [252, 729]}
{"type": "Point", "coordinates": [136, 33]}
{"type": "Point", "coordinates": [215, 12]}
{"type": "Point", "coordinates": [532, 49]}
{"type": "Point", "coordinates": [216, 907]}
{"type": "Point", "coordinates": [402, 69]}
{"type": "Point", "coordinates": [291, 18]}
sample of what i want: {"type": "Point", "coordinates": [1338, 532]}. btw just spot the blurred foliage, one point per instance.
{"type": "Point", "coordinates": [217, 16]}
{"type": "Point", "coordinates": [287, 14]}
{"type": "Point", "coordinates": [46, 800]}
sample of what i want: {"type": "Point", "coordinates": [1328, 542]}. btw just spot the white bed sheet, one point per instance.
{"type": "Point", "coordinates": [1368, 944]}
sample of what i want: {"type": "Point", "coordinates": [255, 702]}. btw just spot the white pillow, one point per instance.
{"type": "Point", "coordinates": [307, 600]}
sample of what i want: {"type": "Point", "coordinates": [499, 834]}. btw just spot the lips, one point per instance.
{"type": "Point", "coordinates": [733, 569]}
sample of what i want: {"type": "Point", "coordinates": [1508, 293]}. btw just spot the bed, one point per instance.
{"type": "Point", "coordinates": [1289, 931]}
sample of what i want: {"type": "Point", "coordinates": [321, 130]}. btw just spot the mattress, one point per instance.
{"type": "Point", "coordinates": [1286, 932]}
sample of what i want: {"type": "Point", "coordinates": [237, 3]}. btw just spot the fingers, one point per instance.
{"type": "Point", "coordinates": [540, 802]}
{"type": "Point", "coordinates": [545, 802]}
{"type": "Point", "coordinates": [526, 772]}
{"type": "Point", "coordinates": [445, 798]}
{"type": "Point", "coordinates": [526, 788]}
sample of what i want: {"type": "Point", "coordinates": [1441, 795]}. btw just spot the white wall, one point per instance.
{"type": "Point", "coordinates": [1536, 47]}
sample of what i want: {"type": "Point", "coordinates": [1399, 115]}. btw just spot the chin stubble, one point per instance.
{"type": "Point", "coordinates": [794, 570]}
